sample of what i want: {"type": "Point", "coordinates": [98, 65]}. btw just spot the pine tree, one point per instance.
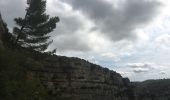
{"type": "Point", "coordinates": [33, 30]}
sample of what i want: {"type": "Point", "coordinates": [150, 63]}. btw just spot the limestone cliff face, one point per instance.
{"type": "Point", "coordinates": [78, 79]}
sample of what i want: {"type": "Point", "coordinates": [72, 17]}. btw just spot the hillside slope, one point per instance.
{"type": "Point", "coordinates": [153, 90]}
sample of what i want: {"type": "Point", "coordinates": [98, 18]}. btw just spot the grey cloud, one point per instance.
{"type": "Point", "coordinates": [64, 36]}
{"type": "Point", "coordinates": [141, 67]}
{"type": "Point", "coordinates": [70, 43]}
{"type": "Point", "coordinates": [67, 25]}
{"type": "Point", "coordinates": [140, 70]}
{"type": "Point", "coordinates": [11, 9]}
{"type": "Point", "coordinates": [117, 23]}
{"type": "Point", "coordinates": [69, 22]}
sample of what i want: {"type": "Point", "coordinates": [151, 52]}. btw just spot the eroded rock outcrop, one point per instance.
{"type": "Point", "coordinates": [78, 79]}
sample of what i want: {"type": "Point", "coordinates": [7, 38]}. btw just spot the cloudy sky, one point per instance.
{"type": "Point", "coordinates": [131, 37]}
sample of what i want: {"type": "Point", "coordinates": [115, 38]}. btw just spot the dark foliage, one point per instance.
{"type": "Point", "coordinates": [16, 79]}
{"type": "Point", "coordinates": [7, 38]}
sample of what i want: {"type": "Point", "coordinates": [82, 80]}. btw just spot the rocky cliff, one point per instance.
{"type": "Point", "coordinates": [78, 79]}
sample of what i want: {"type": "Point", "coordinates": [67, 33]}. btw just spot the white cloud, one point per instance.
{"type": "Point", "coordinates": [163, 41]}
{"type": "Point", "coordinates": [162, 72]}
{"type": "Point", "coordinates": [143, 71]}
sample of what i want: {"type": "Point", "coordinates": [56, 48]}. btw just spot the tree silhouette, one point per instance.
{"type": "Point", "coordinates": [32, 31]}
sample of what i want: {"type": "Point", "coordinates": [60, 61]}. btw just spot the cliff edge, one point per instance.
{"type": "Point", "coordinates": [78, 79]}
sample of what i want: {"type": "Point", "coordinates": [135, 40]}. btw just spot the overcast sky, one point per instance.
{"type": "Point", "coordinates": [131, 37]}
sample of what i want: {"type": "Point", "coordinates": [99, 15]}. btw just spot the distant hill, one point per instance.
{"type": "Point", "coordinates": [153, 90]}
